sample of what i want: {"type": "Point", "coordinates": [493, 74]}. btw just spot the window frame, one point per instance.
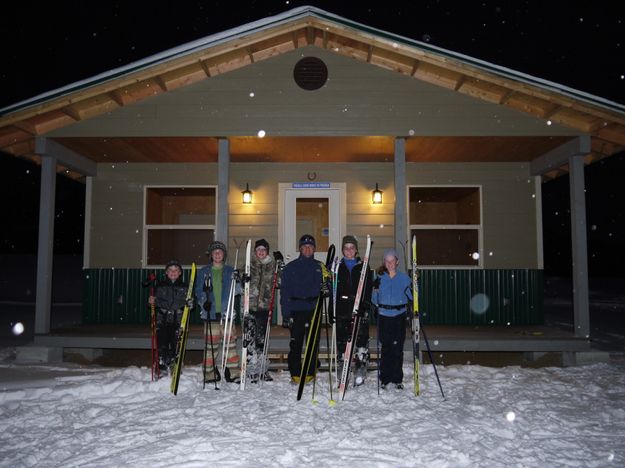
{"type": "Point", "coordinates": [147, 227]}
{"type": "Point", "coordinates": [478, 227]}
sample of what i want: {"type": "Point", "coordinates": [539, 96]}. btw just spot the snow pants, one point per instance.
{"type": "Point", "coordinates": [167, 325]}
{"type": "Point", "coordinates": [299, 333]}
{"type": "Point", "coordinates": [392, 333]}
{"type": "Point", "coordinates": [343, 334]}
{"type": "Point", "coordinates": [255, 329]}
{"type": "Point", "coordinates": [216, 341]}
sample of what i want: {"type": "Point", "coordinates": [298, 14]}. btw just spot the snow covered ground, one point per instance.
{"type": "Point", "coordinates": [70, 416]}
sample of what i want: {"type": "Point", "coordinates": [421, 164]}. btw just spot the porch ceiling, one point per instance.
{"type": "Point", "coordinates": [312, 149]}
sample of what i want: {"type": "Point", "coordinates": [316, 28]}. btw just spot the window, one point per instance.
{"type": "Point", "coordinates": [179, 224]}
{"type": "Point", "coordinates": [447, 223]}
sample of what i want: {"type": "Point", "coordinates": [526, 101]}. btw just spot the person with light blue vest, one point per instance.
{"type": "Point", "coordinates": [212, 289]}
{"type": "Point", "coordinates": [391, 294]}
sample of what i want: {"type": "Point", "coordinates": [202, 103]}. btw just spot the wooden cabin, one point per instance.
{"type": "Point", "coordinates": [311, 113]}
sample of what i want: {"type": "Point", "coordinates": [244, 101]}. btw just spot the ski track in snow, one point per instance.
{"type": "Point", "coordinates": [116, 417]}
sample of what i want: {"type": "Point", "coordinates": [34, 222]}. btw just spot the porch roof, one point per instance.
{"type": "Point", "coordinates": [220, 53]}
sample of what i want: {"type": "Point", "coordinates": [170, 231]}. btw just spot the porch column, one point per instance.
{"type": "Point", "coordinates": [400, 193]}
{"type": "Point", "coordinates": [45, 247]}
{"type": "Point", "coordinates": [581, 310]}
{"type": "Point", "coordinates": [223, 186]}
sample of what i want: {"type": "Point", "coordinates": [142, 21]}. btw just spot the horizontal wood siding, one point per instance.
{"type": "Point", "coordinates": [117, 207]}
{"type": "Point", "coordinates": [508, 207]}
{"type": "Point", "coordinates": [358, 99]}
{"type": "Point", "coordinates": [261, 218]}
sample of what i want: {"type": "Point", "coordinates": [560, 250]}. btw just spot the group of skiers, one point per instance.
{"type": "Point", "coordinates": [385, 295]}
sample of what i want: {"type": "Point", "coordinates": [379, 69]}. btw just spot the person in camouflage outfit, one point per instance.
{"type": "Point", "coordinates": [262, 269]}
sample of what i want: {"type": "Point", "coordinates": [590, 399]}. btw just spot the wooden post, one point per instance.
{"type": "Point", "coordinates": [581, 310]}
{"type": "Point", "coordinates": [45, 248]}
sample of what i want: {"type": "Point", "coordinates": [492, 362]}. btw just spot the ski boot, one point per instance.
{"type": "Point", "coordinates": [230, 378]}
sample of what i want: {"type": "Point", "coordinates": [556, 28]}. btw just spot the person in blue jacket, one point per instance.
{"type": "Point", "coordinates": [391, 294]}
{"type": "Point", "coordinates": [300, 288]}
{"type": "Point", "coordinates": [212, 289]}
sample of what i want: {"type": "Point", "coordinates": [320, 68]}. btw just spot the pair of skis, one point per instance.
{"type": "Point", "coordinates": [313, 333]}
{"type": "Point", "coordinates": [348, 355]}
{"type": "Point", "coordinates": [265, 359]}
{"type": "Point", "coordinates": [226, 323]}
{"type": "Point", "coordinates": [417, 329]}
{"type": "Point", "coordinates": [312, 340]}
{"type": "Point", "coordinates": [246, 336]}
{"type": "Point", "coordinates": [183, 333]}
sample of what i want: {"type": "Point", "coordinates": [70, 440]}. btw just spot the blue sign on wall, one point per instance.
{"type": "Point", "coordinates": [311, 185]}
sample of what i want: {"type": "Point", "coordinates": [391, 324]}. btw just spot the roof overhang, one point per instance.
{"type": "Point", "coordinates": [221, 53]}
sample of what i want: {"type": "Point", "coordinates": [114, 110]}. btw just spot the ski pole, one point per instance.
{"type": "Point", "coordinates": [377, 343]}
{"type": "Point", "coordinates": [154, 343]}
{"type": "Point", "coordinates": [427, 345]}
{"type": "Point", "coordinates": [329, 351]}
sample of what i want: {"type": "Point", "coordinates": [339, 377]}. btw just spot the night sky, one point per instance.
{"type": "Point", "coordinates": [578, 44]}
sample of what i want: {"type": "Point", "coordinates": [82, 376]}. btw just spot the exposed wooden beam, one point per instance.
{"type": "Point", "coordinates": [12, 135]}
{"type": "Point", "coordinates": [579, 146]}
{"type": "Point", "coordinates": [415, 67]}
{"type": "Point", "coordinates": [116, 96]}
{"type": "Point", "coordinates": [48, 147]}
{"type": "Point", "coordinates": [161, 83]}
{"type": "Point", "coordinates": [27, 126]}
{"type": "Point", "coordinates": [310, 35]}
{"type": "Point", "coordinates": [550, 112]}
{"type": "Point", "coordinates": [250, 54]}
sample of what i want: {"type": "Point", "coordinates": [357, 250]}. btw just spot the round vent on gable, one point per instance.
{"type": "Point", "coordinates": [310, 73]}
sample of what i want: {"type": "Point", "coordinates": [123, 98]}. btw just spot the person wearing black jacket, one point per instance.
{"type": "Point", "coordinates": [349, 271]}
{"type": "Point", "coordinates": [169, 299]}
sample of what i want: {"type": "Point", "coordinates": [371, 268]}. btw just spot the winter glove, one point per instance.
{"type": "Point", "coordinates": [190, 303]}
{"type": "Point", "coordinates": [245, 278]}
{"type": "Point", "coordinates": [277, 256]}
{"type": "Point", "coordinates": [204, 314]}
{"type": "Point", "coordinates": [236, 275]}
{"type": "Point", "coordinates": [325, 290]}
{"type": "Point", "coordinates": [376, 283]}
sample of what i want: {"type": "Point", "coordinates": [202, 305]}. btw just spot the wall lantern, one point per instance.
{"type": "Point", "coordinates": [247, 195]}
{"type": "Point", "coordinates": [376, 195]}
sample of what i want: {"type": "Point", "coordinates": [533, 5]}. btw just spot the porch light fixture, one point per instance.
{"type": "Point", "coordinates": [247, 195]}
{"type": "Point", "coordinates": [376, 195]}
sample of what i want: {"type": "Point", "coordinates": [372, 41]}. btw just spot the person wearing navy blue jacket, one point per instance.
{"type": "Point", "coordinates": [391, 295]}
{"type": "Point", "coordinates": [299, 291]}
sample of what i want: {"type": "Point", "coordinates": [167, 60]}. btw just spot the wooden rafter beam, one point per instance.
{"type": "Point", "coordinates": [579, 146]}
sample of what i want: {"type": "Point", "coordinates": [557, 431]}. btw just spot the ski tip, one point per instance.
{"type": "Point", "coordinates": [332, 403]}
{"type": "Point", "coordinates": [314, 402]}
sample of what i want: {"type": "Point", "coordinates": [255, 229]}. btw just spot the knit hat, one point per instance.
{"type": "Point", "coordinates": [390, 253]}
{"type": "Point", "coordinates": [349, 240]}
{"type": "Point", "coordinates": [261, 243]}
{"type": "Point", "coordinates": [216, 245]}
{"type": "Point", "coordinates": [175, 263]}
{"type": "Point", "coordinates": [307, 239]}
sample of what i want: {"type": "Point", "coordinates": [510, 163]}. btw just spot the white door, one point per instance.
{"type": "Point", "coordinates": [317, 209]}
